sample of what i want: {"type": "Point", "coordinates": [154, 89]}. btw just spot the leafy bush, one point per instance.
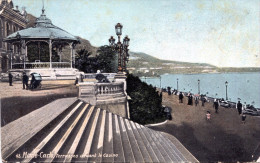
{"type": "Point", "coordinates": [106, 60]}
{"type": "Point", "coordinates": [145, 106]}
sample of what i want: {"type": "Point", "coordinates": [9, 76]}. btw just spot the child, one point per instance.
{"type": "Point", "coordinates": [243, 118]}
{"type": "Point", "coordinates": [208, 115]}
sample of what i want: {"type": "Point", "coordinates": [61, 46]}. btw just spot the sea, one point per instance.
{"type": "Point", "coordinates": [240, 86]}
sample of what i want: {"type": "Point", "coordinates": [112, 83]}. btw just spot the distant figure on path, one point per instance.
{"type": "Point", "coordinates": [81, 78]}
{"type": "Point", "coordinates": [10, 79]}
{"type": "Point", "coordinates": [76, 81]}
{"type": "Point", "coordinates": [190, 100]}
{"type": "Point", "coordinates": [203, 100]}
{"type": "Point", "coordinates": [215, 105]}
{"type": "Point", "coordinates": [196, 100]}
{"type": "Point", "coordinates": [180, 97]}
{"type": "Point", "coordinates": [243, 118]}
{"type": "Point", "coordinates": [208, 115]}
{"type": "Point", "coordinates": [25, 80]}
{"type": "Point", "coordinates": [239, 107]}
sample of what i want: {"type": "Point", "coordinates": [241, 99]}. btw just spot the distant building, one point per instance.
{"type": "Point", "coordinates": [11, 20]}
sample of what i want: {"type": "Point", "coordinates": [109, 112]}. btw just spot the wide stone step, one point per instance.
{"type": "Point", "coordinates": [117, 141]}
{"type": "Point", "coordinates": [132, 140]}
{"type": "Point", "coordinates": [141, 144]}
{"type": "Point", "coordinates": [128, 152]}
{"type": "Point", "coordinates": [153, 144]}
{"type": "Point", "coordinates": [50, 142]}
{"type": "Point", "coordinates": [107, 149]}
{"type": "Point", "coordinates": [84, 133]}
{"type": "Point", "coordinates": [159, 144]}
{"type": "Point", "coordinates": [147, 143]}
{"type": "Point", "coordinates": [18, 137]}
{"type": "Point", "coordinates": [77, 138]}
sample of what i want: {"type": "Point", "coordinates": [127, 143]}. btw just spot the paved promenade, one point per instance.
{"type": "Point", "coordinates": [224, 138]}
{"type": "Point", "coordinates": [17, 102]}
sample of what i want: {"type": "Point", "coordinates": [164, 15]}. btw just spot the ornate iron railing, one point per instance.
{"type": "Point", "coordinates": [39, 65]}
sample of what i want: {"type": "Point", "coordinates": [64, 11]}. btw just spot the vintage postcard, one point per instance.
{"type": "Point", "coordinates": [130, 80]}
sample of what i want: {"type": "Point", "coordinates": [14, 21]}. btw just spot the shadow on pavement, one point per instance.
{"type": "Point", "coordinates": [13, 108]}
{"type": "Point", "coordinates": [217, 145]}
{"type": "Point", "coordinates": [50, 87]}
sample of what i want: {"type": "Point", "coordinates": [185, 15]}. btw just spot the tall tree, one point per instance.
{"type": "Point", "coordinates": [107, 59]}
{"type": "Point", "coordinates": [84, 62]}
{"type": "Point", "coordinates": [146, 103]}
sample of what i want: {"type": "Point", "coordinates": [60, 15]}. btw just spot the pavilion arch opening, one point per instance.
{"type": "Point", "coordinates": [38, 52]}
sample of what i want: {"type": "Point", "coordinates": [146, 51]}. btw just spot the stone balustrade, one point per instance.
{"type": "Point", "coordinates": [93, 75]}
{"type": "Point", "coordinates": [101, 92]}
{"type": "Point", "coordinates": [94, 89]}
{"type": "Point", "coordinates": [109, 88]}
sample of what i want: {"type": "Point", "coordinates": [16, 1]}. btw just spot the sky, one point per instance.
{"type": "Point", "coordinates": [224, 33]}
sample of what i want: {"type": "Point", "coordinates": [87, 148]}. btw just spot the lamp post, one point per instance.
{"type": "Point", "coordinates": [160, 82]}
{"type": "Point", "coordinates": [198, 86]}
{"type": "Point", "coordinates": [226, 83]}
{"type": "Point", "coordinates": [177, 84]}
{"type": "Point", "coordinates": [121, 49]}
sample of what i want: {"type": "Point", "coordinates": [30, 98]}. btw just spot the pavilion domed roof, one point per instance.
{"type": "Point", "coordinates": [43, 29]}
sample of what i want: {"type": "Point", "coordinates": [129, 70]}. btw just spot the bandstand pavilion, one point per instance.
{"type": "Point", "coordinates": [41, 49]}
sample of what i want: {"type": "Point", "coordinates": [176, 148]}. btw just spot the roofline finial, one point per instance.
{"type": "Point", "coordinates": [43, 7]}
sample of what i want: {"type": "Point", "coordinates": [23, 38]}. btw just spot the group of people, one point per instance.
{"type": "Point", "coordinates": [203, 99]}
{"type": "Point", "coordinates": [191, 97]}
{"type": "Point", "coordinates": [25, 80]}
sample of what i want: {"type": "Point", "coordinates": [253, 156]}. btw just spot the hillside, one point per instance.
{"type": "Point", "coordinates": [142, 64]}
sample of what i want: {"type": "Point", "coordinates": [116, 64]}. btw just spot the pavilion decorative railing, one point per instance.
{"type": "Point", "coordinates": [39, 65]}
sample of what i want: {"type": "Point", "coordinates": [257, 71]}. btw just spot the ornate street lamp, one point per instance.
{"type": "Point", "coordinates": [226, 83]}
{"type": "Point", "coordinates": [198, 86]}
{"type": "Point", "coordinates": [160, 82]}
{"type": "Point", "coordinates": [121, 49]}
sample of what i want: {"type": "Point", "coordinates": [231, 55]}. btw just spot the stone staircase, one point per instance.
{"type": "Point", "coordinates": [69, 130]}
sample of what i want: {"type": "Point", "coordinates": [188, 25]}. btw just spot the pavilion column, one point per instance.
{"type": "Point", "coordinates": [11, 58]}
{"type": "Point", "coordinates": [50, 49]}
{"type": "Point", "coordinates": [71, 55]}
{"type": "Point", "coordinates": [24, 53]}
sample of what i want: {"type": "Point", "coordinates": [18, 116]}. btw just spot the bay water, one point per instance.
{"type": "Point", "coordinates": [244, 86]}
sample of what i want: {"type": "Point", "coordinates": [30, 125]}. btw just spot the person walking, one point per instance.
{"type": "Point", "coordinates": [239, 107]}
{"type": "Point", "coordinates": [216, 105]}
{"type": "Point", "coordinates": [190, 100]}
{"type": "Point", "coordinates": [196, 100]}
{"type": "Point", "coordinates": [180, 97]}
{"type": "Point", "coordinates": [25, 81]}
{"type": "Point", "coordinates": [10, 76]}
{"type": "Point", "coordinates": [203, 100]}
